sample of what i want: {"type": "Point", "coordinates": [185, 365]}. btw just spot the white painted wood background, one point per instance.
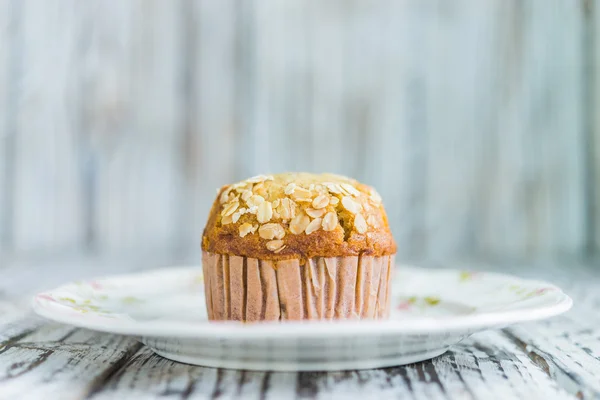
{"type": "Point", "coordinates": [477, 120]}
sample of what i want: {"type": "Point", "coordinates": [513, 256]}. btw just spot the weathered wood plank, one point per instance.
{"type": "Point", "coordinates": [458, 63]}
{"type": "Point", "coordinates": [318, 81]}
{"type": "Point", "coordinates": [264, 68]}
{"type": "Point", "coordinates": [149, 376]}
{"type": "Point", "coordinates": [397, 144]}
{"type": "Point", "coordinates": [496, 184]}
{"type": "Point", "coordinates": [106, 81]}
{"type": "Point", "coordinates": [7, 38]}
{"type": "Point", "coordinates": [58, 361]}
{"type": "Point", "coordinates": [487, 366]}
{"type": "Point", "coordinates": [216, 103]}
{"type": "Point", "coordinates": [308, 109]}
{"type": "Point", "coordinates": [508, 372]}
{"type": "Point", "coordinates": [15, 323]}
{"type": "Point", "coordinates": [593, 105]}
{"type": "Point", "coordinates": [533, 189]}
{"type": "Point", "coordinates": [568, 344]}
{"type": "Point", "coordinates": [573, 376]}
{"type": "Point", "coordinates": [136, 75]}
{"type": "Point", "coordinates": [47, 196]}
{"type": "Point", "coordinates": [161, 377]}
{"type": "Point", "coordinates": [474, 369]}
{"type": "Point", "coordinates": [124, 119]}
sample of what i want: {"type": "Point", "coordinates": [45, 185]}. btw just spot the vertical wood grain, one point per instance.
{"type": "Point", "coordinates": [244, 74]}
{"type": "Point", "coordinates": [135, 120]}
{"type": "Point", "coordinates": [558, 115]}
{"type": "Point", "coordinates": [90, 357]}
{"type": "Point", "coordinates": [118, 121]}
{"type": "Point", "coordinates": [457, 67]}
{"type": "Point", "coordinates": [264, 117]}
{"type": "Point", "coordinates": [106, 87]}
{"type": "Point", "coordinates": [396, 163]}
{"type": "Point", "coordinates": [534, 188]}
{"type": "Point", "coordinates": [593, 18]}
{"type": "Point", "coordinates": [319, 144]}
{"type": "Point", "coordinates": [47, 200]}
{"type": "Point", "coordinates": [217, 54]}
{"type": "Point", "coordinates": [6, 37]}
{"type": "Point", "coordinates": [363, 76]}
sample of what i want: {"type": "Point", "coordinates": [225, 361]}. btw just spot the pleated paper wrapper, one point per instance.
{"type": "Point", "coordinates": [324, 288]}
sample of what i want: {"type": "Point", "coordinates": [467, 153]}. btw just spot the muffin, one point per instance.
{"type": "Point", "coordinates": [297, 246]}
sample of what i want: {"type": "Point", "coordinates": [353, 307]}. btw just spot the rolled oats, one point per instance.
{"type": "Point", "coordinates": [321, 201]}
{"type": "Point", "coordinates": [333, 187]}
{"type": "Point", "coordinates": [350, 189]}
{"type": "Point", "coordinates": [246, 194]}
{"type": "Point", "coordinates": [275, 245]}
{"type": "Point", "coordinates": [299, 224]}
{"type": "Point", "coordinates": [290, 188]}
{"type": "Point", "coordinates": [360, 223]}
{"type": "Point", "coordinates": [224, 196]}
{"type": "Point", "coordinates": [350, 204]}
{"type": "Point", "coordinates": [271, 231]}
{"type": "Point", "coordinates": [246, 228]}
{"type": "Point", "coordinates": [330, 221]}
{"type": "Point", "coordinates": [235, 217]}
{"type": "Point", "coordinates": [259, 189]}
{"type": "Point", "coordinates": [285, 208]}
{"type": "Point", "coordinates": [255, 200]}
{"type": "Point", "coordinates": [230, 208]}
{"type": "Point", "coordinates": [313, 226]}
{"type": "Point", "coordinates": [315, 213]}
{"type": "Point", "coordinates": [301, 193]}
{"type": "Point", "coordinates": [265, 212]}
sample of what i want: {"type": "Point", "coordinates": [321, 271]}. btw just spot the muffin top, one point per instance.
{"type": "Point", "coordinates": [298, 215]}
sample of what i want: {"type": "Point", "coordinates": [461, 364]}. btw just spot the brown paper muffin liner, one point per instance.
{"type": "Point", "coordinates": [324, 288]}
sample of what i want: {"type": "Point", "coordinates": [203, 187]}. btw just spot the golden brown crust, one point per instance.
{"type": "Point", "coordinates": [298, 215]}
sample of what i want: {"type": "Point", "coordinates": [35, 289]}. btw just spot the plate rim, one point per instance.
{"type": "Point", "coordinates": [308, 329]}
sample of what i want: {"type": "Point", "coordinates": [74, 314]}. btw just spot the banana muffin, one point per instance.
{"type": "Point", "coordinates": [297, 246]}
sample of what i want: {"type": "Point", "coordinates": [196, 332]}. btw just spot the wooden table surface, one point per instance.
{"type": "Point", "coordinates": [554, 359]}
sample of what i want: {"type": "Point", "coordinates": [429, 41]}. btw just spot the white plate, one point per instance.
{"type": "Point", "coordinates": [432, 310]}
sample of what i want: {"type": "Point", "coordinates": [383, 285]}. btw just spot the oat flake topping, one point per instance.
{"type": "Point", "coordinates": [298, 204]}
